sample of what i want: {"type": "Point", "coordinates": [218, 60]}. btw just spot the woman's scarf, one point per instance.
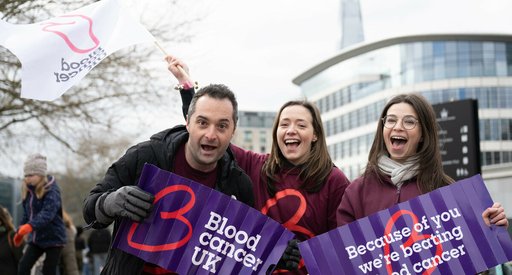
{"type": "Point", "coordinates": [399, 172]}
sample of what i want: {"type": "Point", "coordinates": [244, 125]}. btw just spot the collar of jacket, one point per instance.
{"type": "Point", "coordinates": [177, 136]}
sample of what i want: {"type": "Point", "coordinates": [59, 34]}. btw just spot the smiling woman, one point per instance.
{"type": "Point", "coordinates": [295, 134]}
{"type": "Point", "coordinates": [296, 184]}
{"type": "Point", "coordinates": [401, 139]}
{"type": "Point", "coordinates": [404, 162]}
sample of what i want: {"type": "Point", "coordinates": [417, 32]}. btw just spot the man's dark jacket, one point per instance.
{"type": "Point", "coordinates": [160, 151]}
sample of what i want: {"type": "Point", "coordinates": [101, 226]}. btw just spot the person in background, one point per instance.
{"type": "Point", "coordinates": [296, 184]}
{"type": "Point", "coordinates": [9, 253]}
{"type": "Point", "coordinates": [42, 219]}
{"type": "Point", "coordinates": [196, 151]}
{"type": "Point", "coordinates": [99, 243]}
{"type": "Point", "coordinates": [404, 162]}
{"type": "Point", "coordinates": [79, 248]}
{"type": "Point", "coordinates": [69, 265]}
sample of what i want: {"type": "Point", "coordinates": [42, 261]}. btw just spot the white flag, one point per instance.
{"type": "Point", "coordinates": [55, 54]}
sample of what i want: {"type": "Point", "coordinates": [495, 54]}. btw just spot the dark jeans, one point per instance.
{"type": "Point", "coordinates": [32, 253]}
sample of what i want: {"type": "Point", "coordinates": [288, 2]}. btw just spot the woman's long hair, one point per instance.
{"type": "Point", "coordinates": [317, 167]}
{"type": "Point", "coordinates": [431, 174]}
{"type": "Point", "coordinates": [40, 188]}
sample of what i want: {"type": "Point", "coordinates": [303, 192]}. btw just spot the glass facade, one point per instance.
{"type": "Point", "coordinates": [434, 60]}
{"type": "Point", "coordinates": [418, 62]}
{"type": "Point", "coordinates": [352, 92]}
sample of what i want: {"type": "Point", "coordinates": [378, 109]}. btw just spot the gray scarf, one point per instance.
{"type": "Point", "coordinates": [399, 172]}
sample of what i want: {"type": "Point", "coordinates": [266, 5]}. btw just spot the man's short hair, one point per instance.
{"type": "Point", "coordinates": [217, 91]}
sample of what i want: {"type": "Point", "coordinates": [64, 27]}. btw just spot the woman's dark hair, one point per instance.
{"type": "Point", "coordinates": [431, 175]}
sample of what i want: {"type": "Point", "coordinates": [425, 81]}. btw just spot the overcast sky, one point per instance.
{"type": "Point", "coordinates": [258, 47]}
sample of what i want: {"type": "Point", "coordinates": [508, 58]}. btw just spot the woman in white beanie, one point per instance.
{"type": "Point", "coordinates": [42, 219]}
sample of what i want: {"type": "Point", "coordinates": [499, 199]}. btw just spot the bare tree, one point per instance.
{"type": "Point", "coordinates": [83, 172]}
{"type": "Point", "coordinates": [125, 84]}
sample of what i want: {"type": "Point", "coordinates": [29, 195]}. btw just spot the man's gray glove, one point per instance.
{"type": "Point", "coordinates": [291, 256]}
{"type": "Point", "coordinates": [128, 202]}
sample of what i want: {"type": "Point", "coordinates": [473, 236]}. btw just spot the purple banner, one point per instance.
{"type": "Point", "coordinates": [194, 229]}
{"type": "Point", "coordinates": [441, 232]}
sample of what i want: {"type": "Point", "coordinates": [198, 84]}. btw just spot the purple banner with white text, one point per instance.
{"type": "Point", "coordinates": [194, 229]}
{"type": "Point", "coordinates": [441, 232]}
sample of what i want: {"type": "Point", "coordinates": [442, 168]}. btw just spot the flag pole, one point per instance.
{"type": "Point", "coordinates": [165, 53]}
{"type": "Point", "coordinates": [160, 47]}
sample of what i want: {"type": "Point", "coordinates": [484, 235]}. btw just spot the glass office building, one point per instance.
{"type": "Point", "coordinates": [352, 87]}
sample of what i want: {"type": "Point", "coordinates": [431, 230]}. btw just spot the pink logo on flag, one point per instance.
{"type": "Point", "coordinates": [91, 33]}
{"type": "Point", "coordinates": [67, 30]}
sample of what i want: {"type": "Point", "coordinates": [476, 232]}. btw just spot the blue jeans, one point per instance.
{"type": "Point", "coordinates": [98, 261]}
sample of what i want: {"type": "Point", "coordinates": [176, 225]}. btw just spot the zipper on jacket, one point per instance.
{"type": "Point", "coordinates": [398, 189]}
{"type": "Point", "coordinates": [31, 207]}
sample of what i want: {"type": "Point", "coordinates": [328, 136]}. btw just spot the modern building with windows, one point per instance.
{"type": "Point", "coordinates": [254, 131]}
{"type": "Point", "coordinates": [352, 87]}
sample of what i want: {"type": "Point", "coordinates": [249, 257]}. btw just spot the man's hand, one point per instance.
{"type": "Point", "coordinates": [178, 69]}
{"type": "Point", "coordinates": [127, 202]}
{"type": "Point", "coordinates": [291, 256]}
{"type": "Point", "coordinates": [22, 231]}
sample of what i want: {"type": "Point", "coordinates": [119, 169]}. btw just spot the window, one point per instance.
{"type": "Point", "coordinates": [248, 136]}
{"type": "Point", "coordinates": [488, 158]}
{"type": "Point", "coordinates": [263, 137]}
{"type": "Point", "coordinates": [485, 129]}
{"type": "Point", "coordinates": [334, 151]}
{"type": "Point", "coordinates": [497, 158]}
{"type": "Point", "coordinates": [505, 129]}
{"type": "Point", "coordinates": [506, 157]}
